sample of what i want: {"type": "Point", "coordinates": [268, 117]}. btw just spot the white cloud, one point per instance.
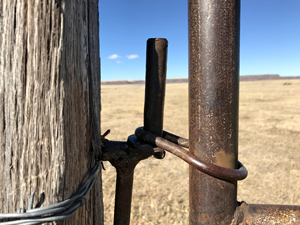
{"type": "Point", "coordinates": [119, 61]}
{"type": "Point", "coordinates": [132, 56]}
{"type": "Point", "coordinates": [114, 56]}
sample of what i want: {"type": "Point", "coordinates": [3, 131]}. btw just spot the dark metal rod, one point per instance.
{"type": "Point", "coordinates": [153, 120]}
{"type": "Point", "coordinates": [214, 28]}
{"type": "Point", "coordinates": [183, 142]}
{"type": "Point", "coordinates": [115, 152]}
{"type": "Point", "coordinates": [266, 214]}
{"type": "Point", "coordinates": [123, 196]}
{"type": "Point", "coordinates": [156, 67]}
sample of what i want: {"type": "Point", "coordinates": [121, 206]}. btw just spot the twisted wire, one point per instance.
{"type": "Point", "coordinates": [58, 211]}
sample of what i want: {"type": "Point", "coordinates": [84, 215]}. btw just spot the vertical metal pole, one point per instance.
{"type": "Point", "coordinates": [214, 28]}
{"type": "Point", "coordinates": [123, 195]}
{"type": "Point", "coordinates": [156, 67]}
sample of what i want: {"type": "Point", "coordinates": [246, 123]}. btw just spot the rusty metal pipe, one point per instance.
{"type": "Point", "coordinates": [214, 27]}
{"type": "Point", "coordinates": [266, 214]}
{"type": "Point", "coordinates": [156, 67]}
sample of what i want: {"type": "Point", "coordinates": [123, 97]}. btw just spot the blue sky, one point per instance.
{"type": "Point", "coordinates": [270, 36]}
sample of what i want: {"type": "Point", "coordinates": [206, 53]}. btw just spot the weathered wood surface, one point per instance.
{"type": "Point", "coordinates": [49, 102]}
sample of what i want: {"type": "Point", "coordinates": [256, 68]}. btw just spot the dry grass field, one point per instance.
{"type": "Point", "coordinates": [269, 147]}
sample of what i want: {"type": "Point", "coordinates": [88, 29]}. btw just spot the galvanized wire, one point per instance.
{"type": "Point", "coordinates": [58, 211]}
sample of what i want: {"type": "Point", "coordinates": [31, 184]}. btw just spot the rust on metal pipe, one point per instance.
{"type": "Point", "coordinates": [266, 214]}
{"type": "Point", "coordinates": [156, 67]}
{"type": "Point", "coordinates": [214, 27]}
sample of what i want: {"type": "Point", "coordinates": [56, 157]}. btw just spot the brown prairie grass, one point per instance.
{"type": "Point", "coordinates": [269, 145]}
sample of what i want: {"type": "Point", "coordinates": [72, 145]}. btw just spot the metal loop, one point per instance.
{"type": "Point", "coordinates": [205, 167]}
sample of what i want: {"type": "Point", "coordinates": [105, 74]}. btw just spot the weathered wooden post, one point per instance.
{"type": "Point", "coordinates": [49, 103]}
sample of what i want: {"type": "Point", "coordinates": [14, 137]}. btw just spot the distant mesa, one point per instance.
{"type": "Point", "coordinates": [267, 77]}
{"type": "Point", "coordinates": [185, 80]}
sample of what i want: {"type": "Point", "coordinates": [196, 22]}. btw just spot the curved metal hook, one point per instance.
{"type": "Point", "coordinates": [205, 167]}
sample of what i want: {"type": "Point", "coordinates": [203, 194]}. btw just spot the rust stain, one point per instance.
{"type": "Point", "coordinates": [225, 160]}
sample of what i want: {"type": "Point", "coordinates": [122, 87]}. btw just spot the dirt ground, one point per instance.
{"type": "Point", "coordinates": [269, 145]}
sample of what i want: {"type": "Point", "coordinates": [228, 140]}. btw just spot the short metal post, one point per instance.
{"type": "Point", "coordinates": [156, 67]}
{"type": "Point", "coordinates": [214, 27]}
{"type": "Point", "coordinates": [124, 157]}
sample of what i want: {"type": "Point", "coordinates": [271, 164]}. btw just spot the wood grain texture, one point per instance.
{"type": "Point", "coordinates": [49, 102]}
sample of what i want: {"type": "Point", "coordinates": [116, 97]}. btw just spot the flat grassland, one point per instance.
{"type": "Point", "coordinates": [269, 147]}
